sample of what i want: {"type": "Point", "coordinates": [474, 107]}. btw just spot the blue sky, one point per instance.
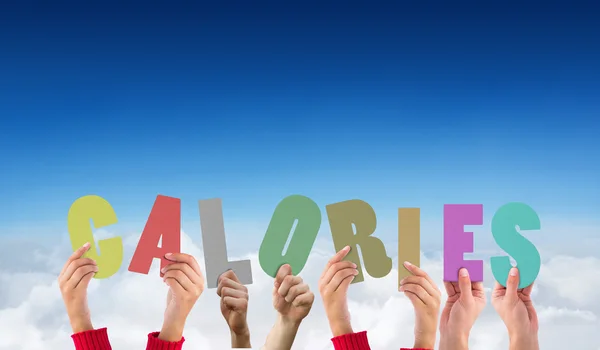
{"type": "Point", "coordinates": [395, 104]}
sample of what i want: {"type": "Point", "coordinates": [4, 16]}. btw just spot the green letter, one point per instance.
{"type": "Point", "coordinates": [290, 209]}
{"type": "Point", "coordinates": [508, 238]}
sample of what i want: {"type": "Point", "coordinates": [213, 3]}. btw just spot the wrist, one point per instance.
{"type": "Point", "coordinates": [424, 340]}
{"type": "Point", "coordinates": [340, 328]}
{"type": "Point", "coordinates": [454, 341]}
{"type": "Point", "coordinates": [524, 342]}
{"type": "Point", "coordinates": [171, 331]}
{"type": "Point", "coordinates": [288, 323]}
{"type": "Point", "coordinates": [240, 339]}
{"type": "Point", "coordinates": [81, 325]}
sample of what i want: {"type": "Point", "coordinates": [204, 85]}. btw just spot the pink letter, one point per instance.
{"type": "Point", "coordinates": [457, 241]}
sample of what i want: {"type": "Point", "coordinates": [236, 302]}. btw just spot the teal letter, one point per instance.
{"type": "Point", "coordinates": [508, 238]}
{"type": "Point", "coordinates": [290, 209]}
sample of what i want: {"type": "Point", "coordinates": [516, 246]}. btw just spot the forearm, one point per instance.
{"type": "Point", "coordinates": [172, 331]}
{"type": "Point", "coordinates": [240, 340]}
{"type": "Point", "coordinates": [282, 335]}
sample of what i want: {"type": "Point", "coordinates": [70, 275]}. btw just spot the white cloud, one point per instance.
{"type": "Point", "coordinates": [32, 316]}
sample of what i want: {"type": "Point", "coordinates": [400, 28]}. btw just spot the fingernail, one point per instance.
{"type": "Point", "coordinates": [168, 255]}
{"type": "Point", "coordinates": [163, 270]}
{"type": "Point", "coordinates": [354, 265]}
{"type": "Point", "coordinates": [463, 272]}
{"type": "Point", "coordinates": [355, 272]}
{"type": "Point", "coordinates": [346, 247]}
{"type": "Point", "coordinates": [402, 281]}
{"type": "Point", "coordinates": [401, 289]}
{"type": "Point", "coordinates": [513, 271]}
{"type": "Point", "coordinates": [86, 245]}
{"type": "Point", "coordinates": [407, 264]}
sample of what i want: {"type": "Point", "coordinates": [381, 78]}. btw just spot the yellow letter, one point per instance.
{"type": "Point", "coordinates": [80, 231]}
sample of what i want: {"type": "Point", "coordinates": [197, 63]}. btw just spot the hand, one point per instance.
{"type": "Point", "coordinates": [516, 310]}
{"type": "Point", "coordinates": [186, 284]}
{"type": "Point", "coordinates": [425, 297]}
{"type": "Point", "coordinates": [293, 300]}
{"type": "Point", "coordinates": [234, 306]}
{"type": "Point", "coordinates": [73, 282]}
{"type": "Point", "coordinates": [333, 286]}
{"type": "Point", "coordinates": [292, 297]}
{"type": "Point", "coordinates": [465, 302]}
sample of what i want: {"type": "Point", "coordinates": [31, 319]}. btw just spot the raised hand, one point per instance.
{"type": "Point", "coordinates": [73, 282]}
{"type": "Point", "coordinates": [186, 284]}
{"type": "Point", "coordinates": [465, 302]}
{"type": "Point", "coordinates": [293, 300]}
{"type": "Point", "coordinates": [515, 307]}
{"type": "Point", "coordinates": [234, 306]}
{"type": "Point", "coordinates": [426, 298]}
{"type": "Point", "coordinates": [292, 297]}
{"type": "Point", "coordinates": [333, 287]}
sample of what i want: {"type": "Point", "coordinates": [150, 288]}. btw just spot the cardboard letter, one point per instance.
{"type": "Point", "coordinates": [165, 221]}
{"type": "Point", "coordinates": [520, 248]}
{"type": "Point", "coordinates": [409, 240]}
{"type": "Point", "coordinates": [457, 241]}
{"type": "Point", "coordinates": [291, 209]}
{"type": "Point", "coordinates": [80, 231]}
{"type": "Point", "coordinates": [215, 245]}
{"type": "Point", "coordinates": [342, 216]}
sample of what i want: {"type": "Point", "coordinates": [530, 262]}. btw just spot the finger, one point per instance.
{"type": "Point", "coordinates": [229, 274]}
{"type": "Point", "coordinates": [417, 271]}
{"type": "Point", "coordinates": [421, 281]}
{"type": "Point", "coordinates": [527, 290]}
{"type": "Point", "coordinates": [73, 266]}
{"type": "Point", "coordinates": [85, 280]}
{"type": "Point", "coordinates": [181, 278]}
{"type": "Point", "coordinates": [184, 258]}
{"type": "Point", "coordinates": [414, 299]}
{"type": "Point", "coordinates": [288, 282]}
{"type": "Point", "coordinates": [417, 290]}
{"type": "Point", "coordinates": [512, 284]}
{"type": "Point", "coordinates": [284, 271]}
{"type": "Point", "coordinates": [337, 279]}
{"type": "Point", "coordinates": [191, 274]}
{"type": "Point", "coordinates": [79, 274]}
{"type": "Point", "coordinates": [328, 276]}
{"type": "Point", "coordinates": [234, 293]}
{"type": "Point", "coordinates": [174, 284]}
{"type": "Point", "coordinates": [339, 256]}
{"type": "Point", "coordinates": [450, 288]}
{"type": "Point", "coordinates": [305, 299]}
{"type": "Point", "coordinates": [499, 290]}
{"type": "Point", "coordinates": [230, 284]}
{"type": "Point", "coordinates": [296, 291]}
{"type": "Point", "coordinates": [464, 284]}
{"type": "Point", "coordinates": [76, 255]}
{"type": "Point", "coordinates": [235, 303]}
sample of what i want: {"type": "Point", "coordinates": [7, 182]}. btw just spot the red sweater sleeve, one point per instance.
{"type": "Point", "coordinates": [97, 339]}
{"type": "Point", "coordinates": [356, 341]}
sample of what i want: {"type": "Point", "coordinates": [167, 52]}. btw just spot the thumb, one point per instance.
{"type": "Point", "coordinates": [512, 284]}
{"type": "Point", "coordinates": [464, 284]}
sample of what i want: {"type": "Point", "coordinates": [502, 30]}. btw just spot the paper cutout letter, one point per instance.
{"type": "Point", "coordinates": [102, 214]}
{"type": "Point", "coordinates": [409, 240]}
{"type": "Point", "coordinates": [215, 245]}
{"type": "Point", "coordinates": [165, 221]}
{"type": "Point", "coordinates": [457, 241]}
{"type": "Point", "coordinates": [520, 248]}
{"type": "Point", "coordinates": [291, 209]}
{"type": "Point", "coordinates": [342, 216]}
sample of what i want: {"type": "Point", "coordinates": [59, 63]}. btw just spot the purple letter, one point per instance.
{"type": "Point", "coordinates": [457, 241]}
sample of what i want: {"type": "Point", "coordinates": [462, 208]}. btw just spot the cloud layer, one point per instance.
{"type": "Point", "coordinates": [32, 315]}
